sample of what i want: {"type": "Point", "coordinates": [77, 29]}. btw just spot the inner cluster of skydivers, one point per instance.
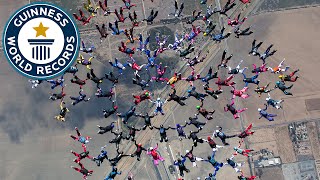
{"type": "Point", "coordinates": [160, 76]}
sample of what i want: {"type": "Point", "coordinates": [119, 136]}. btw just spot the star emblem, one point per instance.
{"type": "Point", "coordinates": [41, 30]}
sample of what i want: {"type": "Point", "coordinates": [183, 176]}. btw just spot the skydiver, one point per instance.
{"type": "Point", "coordinates": [265, 114]}
{"type": "Point", "coordinates": [205, 113]}
{"type": "Point", "coordinates": [88, 6]}
{"type": "Point", "coordinates": [209, 13]}
{"type": "Point", "coordinates": [134, 19]}
{"type": "Point", "coordinates": [94, 78]}
{"type": "Point", "coordinates": [117, 141]}
{"type": "Point", "coordinates": [229, 5]}
{"type": "Point", "coordinates": [86, 49]}
{"type": "Point", "coordinates": [244, 32]}
{"type": "Point", "coordinates": [57, 82]}
{"type": "Point", "coordinates": [217, 165]}
{"type": "Point", "coordinates": [63, 112]}
{"type": "Point", "coordinates": [236, 70]}
{"type": "Point", "coordinates": [278, 68]}
{"type": "Point", "coordinates": [180, 131]}
{"type": "Point", "coordinates": [35, 83]}
{"type": "Point", "coordinates": [106, 129]}
{"type": "Point", "coordinates": [212, 144]}
{"type": "Point", "coordinates": [147, 120]}
{"type": "Point", "coordinates": [196, 60]}
{"type": "Point", "coordinates": [102, 31]}
{"type": "Point", "coordinates": [151, 17]}
{"type": "Point", "coordinates": [84, 154]}
{"type": "Point", "coordinates": [194, 93]}
{"type": "Point", "coordinates": [83, 170]}
{"type": "Point", "coordinates": [252, 79]}
{"type": "Point", "coordinates": [111, 77]}
{"type": "Point", "coordinates": [260, 69]}
{"type": "Point", "coordinates": [247, 132]}
{"type": "Point", "coordinates": [180, 163]}
{"type": "Point", "coordinates": [177, 11]}
{"type": "Point", "coordinates": [160, 72]}
{"type": "Point", "coordinates": [196, 123]}
{"type": "Point", "coordinates": [267, 53]}
{"type": "Point", "coordinates": [85, 62]}
{"type": "Point", "coordinates": [194, 33]}
{"type": "Point", "coordinates": [194, 137]}
{"type": "Point", "coordinates": [274, 103]}
{"type": "Point", "coordinates": [191, 78]}
{"type": "Point", "coordinates": [240, 93]}
{"type": "Point", "coordinates": [212, 92]}
{"type": "Point", "coordinates": [163, 133]}
{"type": "Point", "coordinates": [177, 42]}
{"type": "Point", "coordinates": [151, 59]}
{"type": "Point", "coordinates": [81, 139]}
{"type": "Point", "coordinates": [242, 177]}
{"type": "Point", "coordinates": [127, 115]}
{"type": "Point", "coordinates": [115, 29]}
{"type": "Point", "coordinates": [225, 82]}
{"type": "Point", "coordinates": [132, 132]}
{"type": "Point", "coordinates": [103, 155]}
{"type": "Point", "coordinates": [263, 89]}
{"type": "Point", "coordinates": [105, 8]}
{"type": "Point", "coordinates": [210, 27]}
{"type": "Point", "coordinates": [120, 16]}
{"type": "Point", "coordinates": [114, 172]}
{"type": "Point", "coordinates": [138, 150]}
{"type": "Point", "coordinates": [281, 85]}
{"type": "Point", "coordinates": [72, 69]}
{"type": "Point", "coordinates": [244, 152]}
{"type": "Point", "coordinates": [159, 104]}
{"type": "Point", "coordinates": [101, 93]}
{"type": "Point", "coordinates": [54, 96]}
{"type": "Point", "coordinates": [127, 4]}
{"type": "Point", "coordinates": [156, 157]}
{"type": "Point", "coordinates": [234, 111]}
{"type": "Point", "coordinates": [117, 64]}
{"type": "Point", "coordinates": [209, 76]}
{"type": "Point", "coordinates": [129, 35]}
{"type": "Point", "coordinates": [176, 98]}
{"type": "Point", "coordinates": [236, 21]}
{"type": "Point", "coordinates": [123, 48]}
{"type": "Point", "coordinates": [224, 60]}
{"type": "Point", "coordinates": [161, 44]}
{"type": "Point", "coordinates": [114, 161]}
{"type": "Point", "coordinates": [78, 81]}
{"type": "Point", "coordinates": [81, 97]}
{"type": "Point", "coordinates": [219, 133]}
{"type": "Point", "coordinates": [140, 82]}
{"type": "Point", "coordinates": [219, 37]}
{"type": "Point", "coordinates": [254, 48]}
{"type": "Point", "coordinates": [175, 78]}
{"type": "Point", "coordinates": [289, 77]}
{"type": "Point", "coordinates": [191, 157]}
{"type": "Point", "coordinates": [233, 164]}
{"type": "Point", "coordinates": [82, 18]}
{"type": "Point", "coordinates": [143, 45]}
{"type": "Point", "coordinates": [139, 98]}
{"type": "Point", "coordinates": [195, 16]}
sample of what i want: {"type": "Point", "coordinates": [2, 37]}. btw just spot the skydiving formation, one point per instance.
{"type": "Point", "coordinates": [140, 60]}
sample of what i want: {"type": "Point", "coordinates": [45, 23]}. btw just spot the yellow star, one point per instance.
{"type": "Point", "coordinates": [41, 30]}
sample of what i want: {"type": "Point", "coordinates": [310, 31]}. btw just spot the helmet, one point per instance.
{"type": "Point", "coordinates": [115, 107]}
{"type": "Point", "coordinates": [158, 99]}
{"type": "Point", "coordinates": [86, 141]}
{"type": "Point", "coordinates": [280, 76]}
{"type": "Point", "coordinates": [259, 109]}
{"type": "Point", "coordinates": [161, 125]}
{"type": "Point", "coordinates": [139, 144]}
{"type": "Point", "coordinates": [178, 125]}
{"type": "Point", "coordinates": [190, 118]}
{"type": "Point", "coordinates": [151, 148]}
{"type": "Point", "coordinates": [187, 151]}
{"type": "Point", "coordinates": [198, 107]}
{"type": "Point", "coordinates": [189, 91]}
{"type": "Point", "coordinates": [147, 93]}
{"type": "Point", "coordinates": [209, 138]}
